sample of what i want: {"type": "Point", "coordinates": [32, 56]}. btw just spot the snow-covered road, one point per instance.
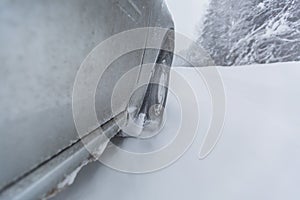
{"type": "Point", "coordinates": [257, 156]}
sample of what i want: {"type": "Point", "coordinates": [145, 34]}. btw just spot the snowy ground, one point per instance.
{"type": "Point", "coordinates": [257, 156]}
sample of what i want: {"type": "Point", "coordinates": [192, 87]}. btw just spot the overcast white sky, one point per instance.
{"type": "Point", "coordinates": [187, 15]}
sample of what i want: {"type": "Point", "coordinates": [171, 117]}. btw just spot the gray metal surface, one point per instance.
{"type": "Point", "coordinates": [42, 46]}
{"type": "Point", "coordinates": [57, 173]}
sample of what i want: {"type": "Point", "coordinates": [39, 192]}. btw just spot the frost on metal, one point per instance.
{"type": "Point", "coordinates": [252, 31]}
{"type": "Point", "coordinates": [69, 180]}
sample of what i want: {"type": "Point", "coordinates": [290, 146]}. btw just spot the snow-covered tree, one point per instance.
{"type": "Point", "coordinates": [252, 31]}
